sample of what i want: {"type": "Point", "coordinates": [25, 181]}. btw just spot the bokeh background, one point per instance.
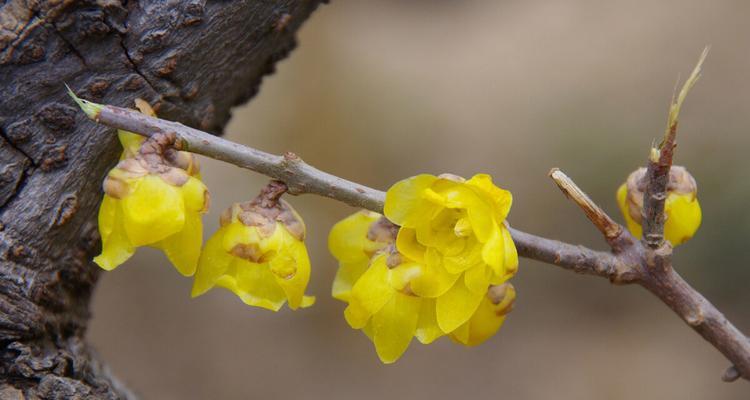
{"type": "Point", "coordinates": [381, 90]}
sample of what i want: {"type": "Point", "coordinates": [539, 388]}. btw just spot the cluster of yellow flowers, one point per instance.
{"type": "Point", "coordinates": [155, 197]}
{"type": "Point", "coordinates": [437, 263]}
{"type": "Point", "coordinates": [442, 271]}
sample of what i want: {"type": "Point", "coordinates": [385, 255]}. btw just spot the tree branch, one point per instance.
{"type": "Point", "coordinates": [629, 262]}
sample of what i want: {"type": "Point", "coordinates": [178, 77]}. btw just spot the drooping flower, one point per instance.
{"type": "Point", "coordinates": [681, 208]}
{"type": "Point", "coordinates": [258, 253]}
{"type": "Point", "coordinates": [374, 279]}
{"type": "Point", "coordinates": [394, 283]}
{"type": "Point", "coordinates": [455, 228]}
{"type": "Point", "coordinates": [150, 202]}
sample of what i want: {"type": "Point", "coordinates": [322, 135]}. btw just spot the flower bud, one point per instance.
{"type": "Point", "coordinates": [681, 208]}
{"type": "Point", "coordinates": [258, 253]}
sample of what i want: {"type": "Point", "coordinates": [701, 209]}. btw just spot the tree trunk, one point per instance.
{"type": "Point", "coordinates": [192, 59]}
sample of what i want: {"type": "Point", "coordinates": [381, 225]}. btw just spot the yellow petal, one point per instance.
{"type": "Point", "coordinates": [404, 204]}
{"type": "Point", "coordinates": [184, 247]}
{"type": "Point", "coordinates": [511, 253]}
{"type": "Point", "coordinates": [107, 216]}
{"type": "Point", "coordinates": [633, 226]}
{"type": "Point", "coordinates": [237, 233]}
{"type": "Point", "coordinates": [406, 243]}
{"type": "Point", "coordinates": [471, 256]}
{"type": "Point", "coordinates": [347, 274]}
{"type": "Point", "coordinates": [294, 253]}
{"type": "Point", "coordinates": [394, 325]}
{"type": "Point", "coordinates": [403, 274]}
{"type": "Point", "coordinates": [683, 217]}
{"type": "Point", "coordinates": [195, 195]}
{"type": "Point", "coordinates": [427, 327]}
{"type": "Point", "coordinates": [346, 241]}
{"type": "Point", "coordinates": [433, 281]}
{"type": "Point", "coordinates": [307, 301]}
{"type": "Point", "coordinates": [493, 251]}
{"type": "Point", "coordinates": [130, 142]}
{"type": "Point", "coordinates": [116, 248]}
{"type": "Point", "coordinates": [483, 325]}
{"type": "Point", "coordinates": [369, 294]}
{"type": "Point", "coordinates": [456, 306]}
{"type": "Point", "coordinates": [501, 199]}
{"type": "Point", "coordinates": [477, 278]}
{"type": "Point", "coordinates": [153, 211]}
{"type": "Point", "coordinates": [257, 286]}
{"type": "Point", "coordinates": [212, 264]}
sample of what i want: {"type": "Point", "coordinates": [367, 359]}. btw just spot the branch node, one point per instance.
{"type": "Point", "coordinates": [731, 374]}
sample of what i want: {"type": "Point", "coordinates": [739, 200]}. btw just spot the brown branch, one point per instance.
{"type": "Point", "coordinates": [629, 262]}
{"type": "Point", "coordinates": [606, 225]}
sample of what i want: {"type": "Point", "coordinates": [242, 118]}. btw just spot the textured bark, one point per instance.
{"type": "Point", "coordinates": [193, 59]}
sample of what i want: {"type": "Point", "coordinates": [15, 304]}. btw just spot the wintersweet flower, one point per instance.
{"type": "Point", "coordinates": [681, 208]}
{"type": "Point", "coordinates": [258, 253]}
{"type": "Point", "coordinates": [149, 202]}
{"type": "Point", "coordinates": [374, 279]}
{"type": "Point", "coordinates": [455, 229]}
{"type": "Point", "coordinates": [377, 281]}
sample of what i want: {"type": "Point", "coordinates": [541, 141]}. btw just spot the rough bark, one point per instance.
{"type": "Point", "coordinates": [193, 59]}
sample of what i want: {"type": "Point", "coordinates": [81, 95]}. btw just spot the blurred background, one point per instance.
{"type": "Point", "coordinates": [382, 90]}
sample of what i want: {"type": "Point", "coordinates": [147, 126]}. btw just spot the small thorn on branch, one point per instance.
{"type": "Point", "coordinates": [606, 225]}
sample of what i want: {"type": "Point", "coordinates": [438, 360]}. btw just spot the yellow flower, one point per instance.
{"type": "Point", "coordinates": [455, 228]}
{"type": "Point", "coordinates": [681, 208]}
{"type": "Point", "coordinates": [393, 296]}
{"type": "Point", "coordinates": [259, 254]}
{"type": "Point", "coordinates": [146, 208]}
{"type": "Point", "coordinates": [375, 281]}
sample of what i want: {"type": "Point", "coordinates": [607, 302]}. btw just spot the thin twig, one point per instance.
{"type": "Point", "coordinates": [631, 263]}
{"type": "Point", "coordinates": [659, 163]}
{"type": "Point", "coordinates": [606, 225]}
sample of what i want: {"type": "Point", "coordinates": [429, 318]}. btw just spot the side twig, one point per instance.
{"type": "Point", "coordinates": [627, 264]}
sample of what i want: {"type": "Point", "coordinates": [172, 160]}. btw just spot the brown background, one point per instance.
{"type": "Point", "coordinates": [381, 90]}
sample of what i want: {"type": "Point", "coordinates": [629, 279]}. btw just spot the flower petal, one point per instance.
{"type": "Point", "coordinates": [406, 243]}
{"type": "Point", "coordinates": [346, 276]}
{"type": "Point", "coordinates": [456, 306]}
{"type": "Point", "coordinates": [477, 278]}
{"type": "Point", "coordinates": [394, 325]}
{"type": "Point", "coordinates": [404, 204]}
{"type": "Point", "coordinates": [184, 247]}
{"type": "Point", "coordinates": [256, 285]}
{"type": "Point", "coordinates": [369, 294]}
{"type": "Point", "coordinates": [622, 201]}
{"type": "Point", "coordinates": [346, 241]}
{"type": "Point", "coordinates": [116, 248]}
{"type": "Point", "coordinates": [427, 327]}
{"type": "Point", "coordinates": [153, 211]}
{"type": "Point", "coordinates": [433, 281]}
{"type": "Point", "coordinates": [195, 195]}
{"type": "Point", "coordinates": [212, 264]}
{"type": "Point", "coordinates": [501, 199]}
{"type": "Point", "coordinates": [683, 217]}
{"type": "Point", "coordinates": [483, 325]}
{"type": "Point", "coordinates": [293, 257]}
